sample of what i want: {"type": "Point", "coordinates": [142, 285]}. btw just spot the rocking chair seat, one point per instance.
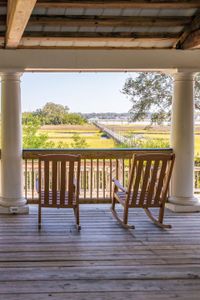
{"type": "Point", "coordinates": [121, 197]}
{"type": "Point", "coordinates": [58, 199]}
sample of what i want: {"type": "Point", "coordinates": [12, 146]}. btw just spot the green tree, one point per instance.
{"type": "Point", "coordinates": [74, 119]}
{"type": "Point", "coordinates": [27, 117]}
{"type": "Point", "coordinates": [61, 145]}
{"type": "Point", "coordinates": [78, 142]}
{"type": "Point", "coordinates": [151, 96]}
{"type": "Point", "coordinates": [33, 139]}
{"type": "Point", "coordinates": [53, 114]}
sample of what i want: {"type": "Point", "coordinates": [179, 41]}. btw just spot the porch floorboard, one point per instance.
{"type": "Point", "coordinates": [103, 261]}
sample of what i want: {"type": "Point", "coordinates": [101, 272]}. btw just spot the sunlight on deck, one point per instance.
{"type": "Point", "coordinates": [103, 261]}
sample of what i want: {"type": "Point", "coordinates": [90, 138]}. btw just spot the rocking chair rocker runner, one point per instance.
{"type": "Point", "coordinates": [59, 183]}
{"type": "Point", "coordinates": [147, 187]}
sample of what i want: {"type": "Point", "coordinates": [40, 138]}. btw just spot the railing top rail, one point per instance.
{"type": "Point", "coordinates": [113, 153]}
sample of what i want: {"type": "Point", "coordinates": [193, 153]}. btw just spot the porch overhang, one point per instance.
{"type": "Point", "coordinates": [59, 60]}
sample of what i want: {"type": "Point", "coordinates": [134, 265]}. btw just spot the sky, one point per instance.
{"type": "Point", "coordinates": [81, 92]}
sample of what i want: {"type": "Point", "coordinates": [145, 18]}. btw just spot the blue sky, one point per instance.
{"type": "Point", "coordinates": [81, 92]}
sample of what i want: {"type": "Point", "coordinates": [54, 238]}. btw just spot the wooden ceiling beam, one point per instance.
{"type": "Point", "coordinates": [2, 20]}
{"type": "Point", "coordinates": [113, 21]}
{"type": "Point", "coordinates": [48, 41]}
{"type": "Point", "coordinates": [96, 39]}
{"type": "Point", "coordinates": [146, 4]}
{"type": "Point", "coordinates": [2, 41]}
{"type": "Point", "coordinates": [3, 3]}
{"type": "Point", "coordinates": [101, 35]}
{"type": "Point", "coordinates": [19, 12]}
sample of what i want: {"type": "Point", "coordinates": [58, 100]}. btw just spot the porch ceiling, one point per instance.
{"type": "Point", "coordinates": [141, 24]}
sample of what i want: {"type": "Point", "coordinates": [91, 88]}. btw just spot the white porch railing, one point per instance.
{"type": "Point", "coordinates": [98, 167]}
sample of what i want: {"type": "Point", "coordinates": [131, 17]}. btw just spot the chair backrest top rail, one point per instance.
{"type": "Point", "coordinates": [59, 157]}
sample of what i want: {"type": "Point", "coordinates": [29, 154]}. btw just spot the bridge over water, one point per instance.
{"type": "Point", "coordinates": [120, 139]}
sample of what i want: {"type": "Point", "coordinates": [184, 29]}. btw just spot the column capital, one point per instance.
{"type": "Point", "coordinates": [181, 72]}
{"type": "Point", "coordinates": [11, 76]}
{"type": "Point", "coordinates": [183, 76]}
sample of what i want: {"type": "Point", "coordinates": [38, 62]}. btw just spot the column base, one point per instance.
{"type": "Point", "coordinates": [13, 210]}
{"type": "Point", "coordinates": [183, 204]}
{"type": "Point", "coordinates": [13, 206]}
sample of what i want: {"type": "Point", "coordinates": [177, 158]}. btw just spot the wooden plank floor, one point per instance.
{"type": "Point", "coordinates": [103, 261]}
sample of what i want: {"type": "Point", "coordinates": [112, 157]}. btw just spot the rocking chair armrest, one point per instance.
{"type": "Point", "coordinates": [119, 186]}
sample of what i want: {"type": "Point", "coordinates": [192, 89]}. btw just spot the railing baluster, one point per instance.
{"type": "Point", "coordinates": [104, 181]}
{"type": "Point", "coordinates": [84, 177]}
{"type": "Point", "coordinates": [111, 173]}
{"type": "Point", "coordinates": [97, 178]}
{"type": "Point", "coordinates": [91, 178]}
{"type": "Point", "coordinates": [117, 169]}
{"type": "Point", "coordinates": [32, 179]}
{"type": "Point", "coordinates": [123, 171]}
{"type": "Point", "coordinates": [25, 181]}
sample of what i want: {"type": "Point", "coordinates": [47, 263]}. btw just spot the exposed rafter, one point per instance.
{"type": "Point", "coordinates": [188, 32]}
{"type": "Point", "coordinates": [18, 14]}
{"type": "Point", "coordinates": [124, 21]}
{"type": "Point", "coordinates": [147, 4]}
{"type": "Point", "coordinates": [192, 41]}
{"type": "Point", "coordinates": [3, 3]}
{"type": "Point", "coordinates": [2, 41]}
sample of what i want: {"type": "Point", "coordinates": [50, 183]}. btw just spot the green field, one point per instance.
{"type": "Point", "coordinates": [94, 137]}
{"type": "Point", "coordinates": [91, 134]}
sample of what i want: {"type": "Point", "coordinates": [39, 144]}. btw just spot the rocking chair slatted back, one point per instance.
{"type": "Point", "coordinates": [59, 183]}
{"type": "Point", "coordinates": [149, 179]}
{"type": "Point", "coordinates": [59, 180]}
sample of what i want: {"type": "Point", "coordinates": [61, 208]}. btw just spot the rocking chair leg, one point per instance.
{"type": "Point", "coordinates": [39, 217]}
{"type": "Point", "coordinates": [123, 222]}
{"type": "Point", "coordinates": [161, 214]}
{"type": "Point", "coordinates": [113, 202]}
{"type": "Point", "coordinates": [125, 218]}
{"type": "Point", "coordinates": [76, 213]}
{"type": "Point", "coordinates": [158, 222]}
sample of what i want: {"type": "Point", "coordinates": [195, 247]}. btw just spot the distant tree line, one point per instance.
{"type": "Point", "coordinates": [107, 115]}
{"type": "Point", "coordinates": [53, 114]}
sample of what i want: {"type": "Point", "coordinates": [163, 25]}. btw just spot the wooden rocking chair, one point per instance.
{"type": "Point", "coordinates": [58, 183]}
{"type": "Point", "coordinates": [147, 187]}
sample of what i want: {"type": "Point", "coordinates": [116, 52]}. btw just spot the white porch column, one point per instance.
{"type": "Point", "coordinates": [11, 199]}
{"type": "Point", "coordinates": [182, 141]}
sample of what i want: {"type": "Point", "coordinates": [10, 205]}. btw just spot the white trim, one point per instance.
{"type": "Point", "coordinates": [98, 60]}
